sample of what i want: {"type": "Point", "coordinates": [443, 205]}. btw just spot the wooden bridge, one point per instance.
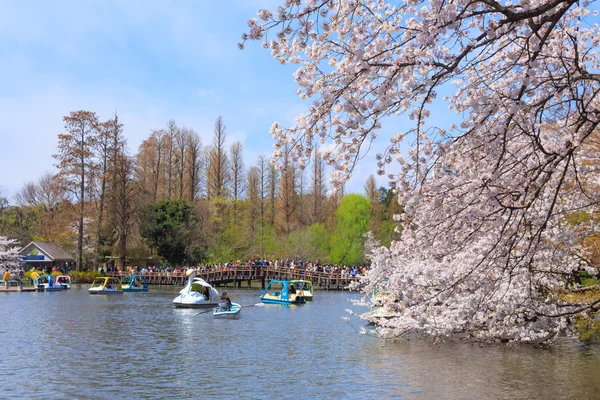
{"type": "Point", "coordinates": [238, 276]}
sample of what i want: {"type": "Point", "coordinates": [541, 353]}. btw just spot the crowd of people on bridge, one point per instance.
{"type": "Point", "coordinates": [344, 271]}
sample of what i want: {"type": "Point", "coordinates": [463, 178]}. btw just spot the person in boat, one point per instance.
{"type": "Point", "coordinates": [206, 293]}
{"type": "Point", "coordinates": [225, 302]}
{"type": "Point", "coordinates": [292, 289]}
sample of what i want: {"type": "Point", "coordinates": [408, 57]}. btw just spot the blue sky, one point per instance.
{"type": "Point", "coordinates": [150, 61]}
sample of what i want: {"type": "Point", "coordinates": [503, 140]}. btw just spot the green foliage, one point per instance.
{"type": "Point", "coordinates": [351, 224]}
{"type": "Point", "coordinates": [576, 218]}
{"type": "Point", "coordinates": [586, 279]}
{"type": "Point", "coordinates": [588, 328]}
{"type": "Point", "coordinates": [306, 243]}
{"type": "Point", "coordinates": [319, 241]}
{"type": "Point", "coordinates": [229, 246]}
{"type": "Point", "coordinates": [28, 273]}
{"type": "Point", "coordinates": [76, 276]}
{"type": "Point", "coordinates": [298, 245]}
{"type": "Point", "coordinates": [388, 233]}
{"type": "Point", "coordinates": [382, 222]}
{"type": "Point", "coordinates": [386, 195]}
{"type": "Point", "coordinates": [589, 282]}
{"type": "Point", "coordinates": [22, 223]}
{"type": "Point", "coordinates": [168, 225]}
{"type": "Point", "coordinates": [197, 256]}
{"type": "Point", "coordinates": [264, 244]}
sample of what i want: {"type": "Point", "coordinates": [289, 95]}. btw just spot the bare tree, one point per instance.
{"type": "Point", "coordinates": [76, 163]}
{"type": "Point", "coordinates": [181, 140]}
{"type": "Point", "coordinates": [237, 176]}
{"type": "Point", "coordinates": [169, 141]}
{"type": "Point", "coordinates": [273, 185]}
{"type": "Point", "coordinates": [28, 194]}
{"type": "Point", "coordinates": [49, 192]}
{"type": "Point", "coordinates": [254, 202]}
{"type": "Point", "coordinates": [103, 151]}
{"type": "Point", "coordinates": [287, 193]}
{"type": "Point", "coordinates": [124, 201]}
{"type": "Point", "coordinates": [156, 140]}
{"type": "Point", "coordinates": [217, 177]}
{"type": "Point", "coordinates": [301, 198]}
{"type": "Point", "coordinates": [118, 143]}
{"type": "Point", "coordinates": [317, 187]}
{"type": "Point", "coordinates": [145, 170]}
{"type": "Point", "coordinates": [194, 164]}
{"type": "Point", "coordinates": [263, 186]}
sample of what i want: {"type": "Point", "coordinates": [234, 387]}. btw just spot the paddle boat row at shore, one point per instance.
{"type": "Point", "coordinates": [41, 283]}
{"type": "Point", "coordinates": [51, 283]}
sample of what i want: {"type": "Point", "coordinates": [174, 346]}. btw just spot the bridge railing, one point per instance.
{"type": "Point", "coordinates": [320, 280]}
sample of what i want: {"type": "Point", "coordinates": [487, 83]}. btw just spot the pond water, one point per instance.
{"type": "Point", "coordinates": [73, 345]}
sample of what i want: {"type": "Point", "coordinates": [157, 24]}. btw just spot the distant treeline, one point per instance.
{"type": "Point", "coordinates": [188, 203]}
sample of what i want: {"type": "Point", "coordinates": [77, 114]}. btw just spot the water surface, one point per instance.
{"type": "Point", "coordinates": [137, 345]}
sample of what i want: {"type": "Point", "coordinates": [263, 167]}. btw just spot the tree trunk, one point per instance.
{"type": "Point", "coordinates": [81, 211]}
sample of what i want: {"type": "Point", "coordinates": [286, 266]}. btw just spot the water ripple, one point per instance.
{"type": "Point", "coordinates": [73, 345]}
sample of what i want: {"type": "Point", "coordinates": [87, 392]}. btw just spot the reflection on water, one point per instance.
{"type": "Point", "coordinates": [73, 345]}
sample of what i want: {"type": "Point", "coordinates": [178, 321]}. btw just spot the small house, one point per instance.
{"type": "Point", "coordinates": [43, 255]}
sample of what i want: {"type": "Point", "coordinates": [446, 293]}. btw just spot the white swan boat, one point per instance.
{"type": "Point", "coordinates": [197, 293]}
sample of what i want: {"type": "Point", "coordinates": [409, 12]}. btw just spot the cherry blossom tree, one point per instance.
{"type": "Point", "coordinates": [485, 248]}
{"type": "Point", "coordinates": [9, 254]}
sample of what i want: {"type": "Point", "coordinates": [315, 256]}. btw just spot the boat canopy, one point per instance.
{"type": "Point", "coordinates": [200, 281]}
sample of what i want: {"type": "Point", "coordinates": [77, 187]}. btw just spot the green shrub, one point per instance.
{"type": "Point", "coordinates": [84, 276]}
{"type": "Point", "coordinates": [589, 281]}
{"type": "Point", "coordinates": [588, 328]}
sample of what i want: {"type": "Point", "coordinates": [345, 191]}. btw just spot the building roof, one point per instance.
{"type": "Point", "coordinates": [52, 250]}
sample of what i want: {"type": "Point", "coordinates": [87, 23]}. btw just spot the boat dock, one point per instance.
{"type": "Point", "coordinates": [17, 289]}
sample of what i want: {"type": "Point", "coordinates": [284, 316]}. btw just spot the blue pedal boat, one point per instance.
{"type": "Point", "coordinates": [46, 283]}
{"type": "Point", "coordinates": [283, 292]}
{"type": "Point", "coordinates": [134, 283]}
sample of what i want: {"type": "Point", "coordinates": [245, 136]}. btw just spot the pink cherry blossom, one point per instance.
{"type": "Point", "coordinates": [485, 247]}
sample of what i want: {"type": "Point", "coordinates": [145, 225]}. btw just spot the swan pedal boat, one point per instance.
{"type": "Point", "coordinates": [105, 285]}
{"type": "Point", "coordinates": [196, 294]}
{"type": "Point", "coordinates": [283, 292]}
{"type": "Point", "coordinates": [232, 313]}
